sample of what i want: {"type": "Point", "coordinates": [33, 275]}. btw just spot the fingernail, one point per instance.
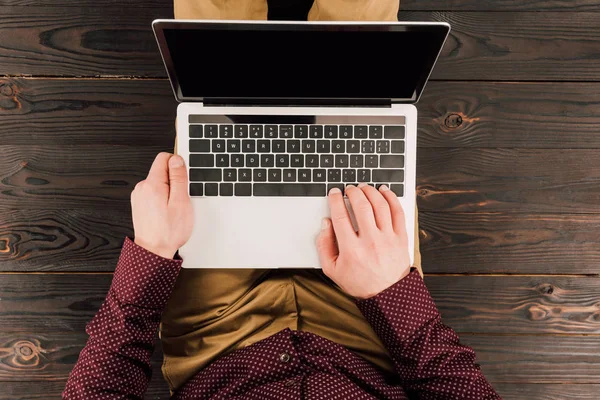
{"type": "Point", "coordinates": [349, 186]}
{"type": "Point", "coordinates": [175, 162]}
{"type": "Point", "coordinates": [334, 190]}
{"type": "Point", "coordinates": [324, 223]}
{"type": "Point", "coordinates": [384, 188]}
{"type": "Point", "coordinates": [362, 184]}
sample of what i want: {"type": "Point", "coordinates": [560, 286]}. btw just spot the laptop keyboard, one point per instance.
{"type": "Point", "coordinates": [293, 160]}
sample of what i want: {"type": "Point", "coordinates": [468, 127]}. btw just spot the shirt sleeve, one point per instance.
{"type": "Point", "coordinates": [431, 362]}
{"type": "Point", "coordinates": [115, 363]}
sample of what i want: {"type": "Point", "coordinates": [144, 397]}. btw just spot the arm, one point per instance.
{"type": "Point", "coordinates": [115, 362]}
{"type": "Point", "coordinates": [373, 266]}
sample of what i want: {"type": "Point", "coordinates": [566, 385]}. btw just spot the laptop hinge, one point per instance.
{"type": "Point", "coordinates": [298, 102]}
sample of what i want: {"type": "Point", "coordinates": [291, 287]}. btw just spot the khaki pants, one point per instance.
{"type": "Point", "coordinates": [215, 311]}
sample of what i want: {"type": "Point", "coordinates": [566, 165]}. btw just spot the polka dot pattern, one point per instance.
{"type": "Point", "coordinates": [429, 359]}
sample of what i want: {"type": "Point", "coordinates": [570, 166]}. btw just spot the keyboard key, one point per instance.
{"type": "Point", "coordinates": [278, 146]}
{"type": "Point", "coordinates": [335, 185]}
{"type": "Point", "coordinates": [226, 189]}
{"type": "Point", "coordinates": [297, 160]}
{"type": "Point", "coordinates": [371, 161]}
{"type": "Point", "coordinates": [331, 131]}
{"type": "Point", "coordinates": [326, 161]}
{"type": "Point", "coordinates": [364, 175]}
{"type": "Point", "coordinates": [274, 175]}
{"type": "Point", "coordinates": [282, 160]}
{"type": "Point", "coordinates": [309, 146]}
{"type": "Point", "coordinates": [199, 146]}
{"type": "Point", "coordinates": [243, 189]}
{"type": "Point", "coordinates": [397, 188]}
{"type": "Point", "coordinates": [392, 161]}
{"type": "Point", "coordinates": [226, 131]}
{"type": "Point", "coordinates": [230, 175]}
{"type": "Point", "coordinates": [338, 146]}
{"type": "Point", "coordinates": [360, 132]}
{"type": "Point", "coordinates": [259, 175]}
{"type": "Point", "coordinates": [264, 146]}
{"type": "Point", "coordinates": [393, 132]}
{"type": "Point", "coordinates": [397, 146]}
{"type": "Point", "coordinates": [251, 160]}
{"type": "Point", "coordinates": [218, 146]}
{"type": "Point", "coordinates": [245, 175]}
{"type": "Point", "coordinates": [248, 146]}
{"type": "Point", "coordinates": [316, 131]}
{"type": "Point", "coordinates": [237, 160]}
{"type": "Point", "coordinates": [205, 175]}
{"type": "Point", "coordinates": [241, 131]}
{"type": "Point", "coordinates": [202, 160]}
{"type": "Point", "coordinates": [211, 131]}
{"type": "Point", "coordinates": [312, 160]}
{"type": "Point", "coordinates": [334, 175]}
{"type": "Point", "coordinates": [349, 175]}
{"type": "Point", "coordinates": [289, 175]}
{"type": "Point", "coordinates": [267, 160]}
{"type": "Point", "coordinates": [256, 131]}
{"type": "Point", "coordinates": [345, 132]}
{"type": "Point", "coordinates": [293, 146]}
{"type": "Point", "coordinates": [196, 131]}
{"type": "Point", "coordinates": [196, 189]}
{"type": "Point", "coordinates": [319, 175]}
{"type": "Point", "coordinates": [301, 131]}
{"type": "Point", "coordinates": [271, 131]}
{"type": "Point", "coordinates": [222, 160]}
{"type": "Point", "coordinates": [211, 189]}
{"type": "Point", "coordinates": [356, 161]}
{"type": "Point", "coordinates": [304, 175]}
{"type": "Point", "coordinates": [375, 132]}
{"type": "Point", "coordinates": [353, 146]}
{"type": "Point", "coordinates": [323, 146]}
{"type": "Point", "coordinates": [233, 146]}
{"type": "Point", "coordinates": [289, 189]}
{"type": "Point", "coordinates": [388, 175]}
{"type": "Point", "coordinates": [286, 131]}
{"type": "Point", "coordinates": [341, 161]}
{"type": "Point", "coordinates": [368, 146]}
{"type": "Point", "coordinates": [383, 146]}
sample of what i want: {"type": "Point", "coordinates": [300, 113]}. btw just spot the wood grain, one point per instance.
{"type": "Point", "coordinates": [512, 46]}
{"type": "Point", "coordinates": [510, 243]}
{"type": "Point", "coordinates": [87, 111]}
{"type": "Point", "coordinates": [515, 180]}
{"type": "Point", "coordinates": [547, 391]}
{"type": "Point", "coordinates": [515, 114]}
{"type": "Point", "coordinates": [498, 5]}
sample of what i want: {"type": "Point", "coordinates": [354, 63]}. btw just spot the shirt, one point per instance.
{"type": "Point", "coordinates": [430, 362]}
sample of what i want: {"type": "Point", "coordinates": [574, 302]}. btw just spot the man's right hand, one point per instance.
{"type": "Point", "coordinates": [366, 262]}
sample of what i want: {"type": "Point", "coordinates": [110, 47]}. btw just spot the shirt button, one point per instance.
{"type": "Point", "coordinates": [290, 382]}
{"type": "Point", "coordinates": [284, 357]}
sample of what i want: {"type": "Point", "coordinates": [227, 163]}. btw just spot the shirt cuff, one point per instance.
{"type": "Point", "coordinates": [143, 278]}
{"type": "Point", "coordinates": [400, 310]}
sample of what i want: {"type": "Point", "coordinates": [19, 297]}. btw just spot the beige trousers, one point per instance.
{"type": "Point", "coordinates": [215, 311]}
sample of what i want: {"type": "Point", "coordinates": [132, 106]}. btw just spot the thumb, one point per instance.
{"type": "Point", "coordinates": [326, 246]}
{"type": "Point", "coordinates": [177, 179]}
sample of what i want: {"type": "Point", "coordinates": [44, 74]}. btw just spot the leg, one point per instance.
{"type": "Point", "coordinates": [354, 10]}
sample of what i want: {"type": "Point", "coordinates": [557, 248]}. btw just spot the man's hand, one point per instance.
{"type": "Point", "coordinates": [162, 211]}
{"type": "Point", "coordinates": [366, 262]}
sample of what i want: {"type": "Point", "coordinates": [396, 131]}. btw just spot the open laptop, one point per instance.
{"type": "Point", "coordinates": [273, 114]}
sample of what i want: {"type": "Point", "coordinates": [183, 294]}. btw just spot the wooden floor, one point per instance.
{"type": "Point", "coordinates": [508, 181]}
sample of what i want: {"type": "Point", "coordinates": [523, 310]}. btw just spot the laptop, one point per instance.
{"type": "Point", "coordinates": [273, 114]}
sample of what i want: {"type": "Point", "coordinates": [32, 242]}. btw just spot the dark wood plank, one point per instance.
{"type": "Point", "coordinates": [496, 114]}
{"type": "Point", "coordinates": [80, 41]}
{"type": "Point", "coordinates": [510, 243]}
{"type": "Point", "coordinates": [498, 5]}
{"type": "Point", "coordinates": [547, 391]}
{"type": "Point", "coordinates": [69, 177]}
{"type": "Point", "coordinates": [140, 112]}
{"type": "Point", "coordinates": [516, 180]}
{"type": "Point", "coordinates": [165, 5]}
{"type": "Point", "coordinates": [517, 45]}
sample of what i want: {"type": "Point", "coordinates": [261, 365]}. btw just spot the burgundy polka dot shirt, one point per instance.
{"type": "Point", "coordinates": [430, 362]}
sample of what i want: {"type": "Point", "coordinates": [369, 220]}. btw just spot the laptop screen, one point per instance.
{"type": "Point", "coordinates": [212, 60]}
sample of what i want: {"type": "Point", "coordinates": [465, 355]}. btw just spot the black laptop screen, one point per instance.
{"type": "Point", "coordinates": [290, 61]}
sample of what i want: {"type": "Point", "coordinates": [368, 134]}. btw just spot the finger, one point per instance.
{"type": "Point", "coordinates": [398, 217]}
{"type": "Point", "coordinates": [178, 179]}
{"type": "Point", "coordinates": [381, 208]}
{"type": "Point", "coordinates": [340, 218]}
{"type": "Point", "coordinates": [363, 212]}
{"type": "Point", "coordinates": [159, 171]}
{"type": "Point", "coordinates": [326, 246]}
